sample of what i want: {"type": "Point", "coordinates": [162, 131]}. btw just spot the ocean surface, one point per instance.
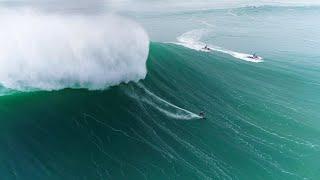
{"type": "Point", "coordinates": [88, 94]}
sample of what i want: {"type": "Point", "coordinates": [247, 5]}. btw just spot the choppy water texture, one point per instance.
{"type": "Point", "coordinates": [262, 118]}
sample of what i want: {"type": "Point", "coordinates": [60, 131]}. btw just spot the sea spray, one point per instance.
{"type": "Point", "coordinates": [50, 52]}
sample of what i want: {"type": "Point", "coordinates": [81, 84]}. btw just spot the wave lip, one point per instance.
{"type": "Point", "coordinates": [50, 52]}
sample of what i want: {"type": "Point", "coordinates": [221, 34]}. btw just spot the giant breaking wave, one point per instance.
{"type": "Point", "coordinates": [49, 51]}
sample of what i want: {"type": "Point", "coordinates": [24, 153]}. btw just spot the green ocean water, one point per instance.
{"type": "Point", "coordinates": [262, 119]}
{"type": "Point", "coordinates": [253, 130]}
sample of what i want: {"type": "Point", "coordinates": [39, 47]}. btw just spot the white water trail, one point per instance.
{"type": "Point", "coordinates": [192, 40]}
{"type": "Point", "coordinates": [179, 112]}
{"type": "Point", "coordinates": [40, 51]}
{"type": "Point", "coordinates": [162, 105]}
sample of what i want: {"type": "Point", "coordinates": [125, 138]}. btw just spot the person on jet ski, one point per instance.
{"type": "Point", "coordinates": [254, 56]}
{"type": "Point", "coordinates": [206, 47]}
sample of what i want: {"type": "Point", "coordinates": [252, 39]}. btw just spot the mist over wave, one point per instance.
{"type": "Point", "coordinates": [50, 52]}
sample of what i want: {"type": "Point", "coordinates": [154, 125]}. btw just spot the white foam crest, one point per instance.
{"type": "Point", "coordinates": [192, 40]}
{"type": "Point", "coordinates": [49, 52]}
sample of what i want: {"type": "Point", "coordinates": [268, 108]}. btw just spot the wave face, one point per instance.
{"type": "Point", "coordinates": [50, 52]}
{"type": "Point", "coordinates": [150, 130]}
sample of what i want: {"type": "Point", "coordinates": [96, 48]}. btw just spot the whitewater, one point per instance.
{"type": "Point", "coordinates": [42, 51]}
{"type": "Point", "coordinates": [192, 40]}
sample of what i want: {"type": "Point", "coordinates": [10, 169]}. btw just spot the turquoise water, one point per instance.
{"type": "Point", "coordinates": [261, 117]}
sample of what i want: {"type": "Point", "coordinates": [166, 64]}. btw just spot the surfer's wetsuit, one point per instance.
{"type": "Point", "coordinates": [201, 114]}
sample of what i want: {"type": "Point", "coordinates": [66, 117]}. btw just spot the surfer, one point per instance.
{"type": "Point", "coordinates": [202, 115]}
{"type": "Point", "coordinates": [206, 48]}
